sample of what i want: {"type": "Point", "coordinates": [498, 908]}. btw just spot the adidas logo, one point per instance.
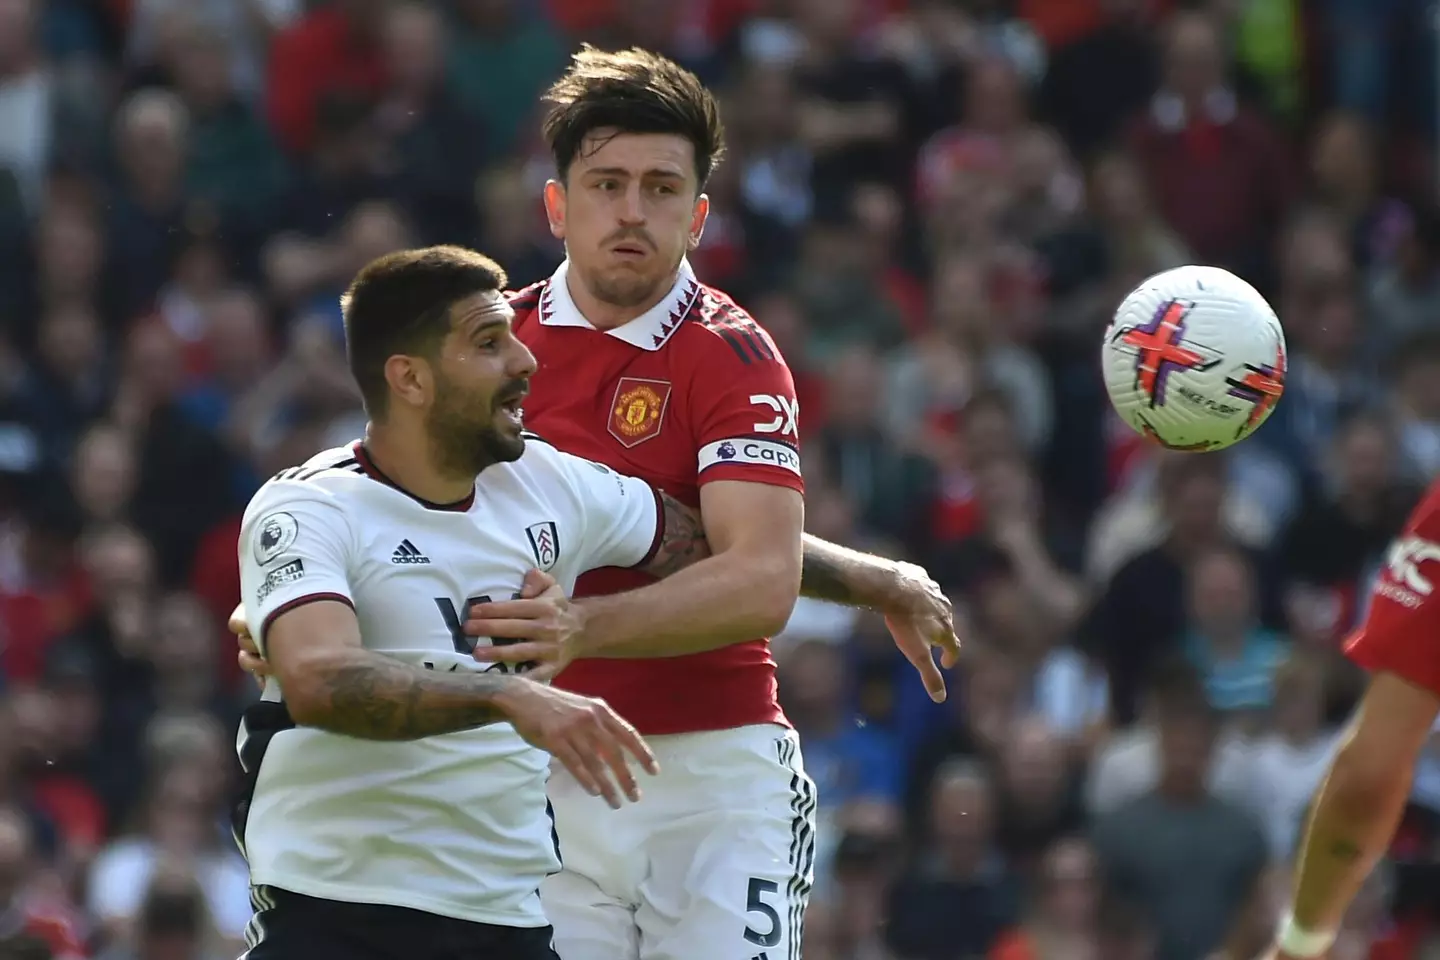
{"type": "Point", "coordinates": [407, 553]}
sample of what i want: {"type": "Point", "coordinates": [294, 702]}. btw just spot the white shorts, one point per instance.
{"type": "Point", "coordinates": [714, 863]}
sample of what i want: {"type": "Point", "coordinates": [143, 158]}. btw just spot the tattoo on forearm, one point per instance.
{"type": "Point", "coordinates": [378, 699]}
{"type": "Point", "coordinates": [1346, 851]}
{"type": "Point", "coordinates": [823, 577]}
{"type": "Point", "coordinates": [683, 541]}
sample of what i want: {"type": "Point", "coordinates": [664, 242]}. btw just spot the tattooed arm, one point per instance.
{"type": "Point", "coordinates": [332, 682]}
{"type": "Point", "coordinates": [682, 538]}
{"type": "Point", "coordinates": [1361, 801]}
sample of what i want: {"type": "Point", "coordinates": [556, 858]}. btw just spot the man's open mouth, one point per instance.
{"type": "Point", "coordinates": [513, 407]}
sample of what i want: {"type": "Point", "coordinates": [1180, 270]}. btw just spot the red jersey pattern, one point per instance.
{"type": "Point", "coordinates": [1401, 631]}
{"type": "Point", "coordinates": [691, 392]}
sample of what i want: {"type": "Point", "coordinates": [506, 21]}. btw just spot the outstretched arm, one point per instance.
{"type": "Point", "coordinates": [828, 571]}
{"type": "Point", "coordinates": [1369, 781]}
{"type": "Point", "coordinates": [1357, 810]}
{"type": "Point", "coordinates": [738, 583]}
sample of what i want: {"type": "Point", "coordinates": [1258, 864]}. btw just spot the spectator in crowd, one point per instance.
{"type": "Point", "coordinates": [173, 923]}
{"type": "Point", "coordinates": [1063, 917]}
{"type": "Point", "coordinates": [1128, 766]}
{"type": "Point", "coordinates": [177, 826]}
{"type": "Point", "coordinates": [932, 206]}
{"type": "Point", "coordinates": [1216, 167]}
{"type": "Point", "coordinates": [1285, 766]}
{"type": "Point", "coordinates": [1341, 531]}
{"type": "Point", "coordinates": [961, 894]}
{"type": "Point", "coordinates": [1191, 860]}
{"type": "Point", "coordinates": [1235, 655]}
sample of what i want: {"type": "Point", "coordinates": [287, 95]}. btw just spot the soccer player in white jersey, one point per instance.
{"type": "Point", "coordinates": [395, 802]}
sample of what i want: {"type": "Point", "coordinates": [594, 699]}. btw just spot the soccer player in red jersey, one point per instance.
{"type": "Point", "coordinates": [656, 375]}
{"type": "Point", "coordinates": [1369, 781]}
{"type": "Point", "coordinates": [653, 373]}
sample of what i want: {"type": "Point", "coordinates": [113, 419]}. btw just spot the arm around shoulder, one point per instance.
{"type": "Point", "coordinates": [744, 590]}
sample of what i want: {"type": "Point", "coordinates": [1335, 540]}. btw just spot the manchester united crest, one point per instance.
{"type": "Point", "coordinates": [638, 411]}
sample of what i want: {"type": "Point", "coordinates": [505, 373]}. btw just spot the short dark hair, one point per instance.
{"type": "Point", "coordinates": [400, 304]}
{"type": "Point", "coordinates": [633, 91]}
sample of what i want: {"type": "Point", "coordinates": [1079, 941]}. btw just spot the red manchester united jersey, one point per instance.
{"type": "Point", "coordinates": [691, 392]}
{"type": "Point", "coordinates": [1401, 631]}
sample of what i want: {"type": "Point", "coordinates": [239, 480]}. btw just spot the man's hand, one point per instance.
{"type": "Point", "coordinates": [916, 610]}
{"type": "Point", "coordinates": [539, 628]}
{"type": "Point", "coordinates": [584, 734]}
{"type": "Point", "coordinates": [249, 653]}
{"type": "Point", "coordinates": [921, 617]}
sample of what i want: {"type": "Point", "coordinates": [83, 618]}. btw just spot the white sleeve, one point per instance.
{"type": "Point", "coordinates": [295, 547]}
{"type": "Point", "coordinates": [624, 517]}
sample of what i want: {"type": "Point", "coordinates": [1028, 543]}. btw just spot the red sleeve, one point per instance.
{"type": "Point", "coordinates": [1401, 630]}
{"type": "Point", "coordinates": [744, 410]}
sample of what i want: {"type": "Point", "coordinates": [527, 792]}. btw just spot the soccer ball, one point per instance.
{"type": "Point", "coordinates": [1194, 359]}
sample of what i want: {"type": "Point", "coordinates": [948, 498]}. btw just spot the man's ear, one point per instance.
{"type": "Point", "coordinates": [554, 195]}
{"type": "Point", "coordinates": [698, 217]}
{"type": "Point", "coordinates": [411, 380]}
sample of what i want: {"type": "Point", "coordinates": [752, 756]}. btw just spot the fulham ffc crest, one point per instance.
{"type": "Point", "coordinates": [544, 543]}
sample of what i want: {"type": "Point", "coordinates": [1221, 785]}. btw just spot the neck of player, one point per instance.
{"type": "Point", "coordinates": [406, 457]}
{"type": "Point", "coordinates": [608, 316]}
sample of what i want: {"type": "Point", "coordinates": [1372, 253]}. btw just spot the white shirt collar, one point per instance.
{"type": "Point", "coordinates": [649, 331]}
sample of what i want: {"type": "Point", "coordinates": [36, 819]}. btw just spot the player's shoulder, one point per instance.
{"type": "Point", "coordinates": [524, 300]}
{"type": "Point", "coordinates": [330, 476]}
{"type": "Point", "coordinates": [542, 455]}
{"type": "Point", "coordinates": [720, 332]}
{"type": "Point", "coordinates": [1407, 575]}
{"type": "Point", "coordinates": [1425, 518]}
{"type": "Point", "coordinates": [544, 465]}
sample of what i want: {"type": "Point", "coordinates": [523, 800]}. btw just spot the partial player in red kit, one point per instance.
{"type": "Point", "coordinates": [1365, 792]}
{"type": "Point", "coordinates": [646, 370]}
{"type": "Point", "coordinates": [653, 373]}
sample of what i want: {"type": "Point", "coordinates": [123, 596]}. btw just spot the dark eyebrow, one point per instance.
{"type": "Point", "coordinates": [621, 172]}
{"type": "Point", "coordinates": [484, 325]}
{"type": "Point", "coordinates": [484, 321]}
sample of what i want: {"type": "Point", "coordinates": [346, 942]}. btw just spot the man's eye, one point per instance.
{"type": "Point", "coordinates": [606, 185]}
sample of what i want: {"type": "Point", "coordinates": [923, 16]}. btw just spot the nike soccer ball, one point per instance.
{"type": "Point", "coordinates": [1194, 359]}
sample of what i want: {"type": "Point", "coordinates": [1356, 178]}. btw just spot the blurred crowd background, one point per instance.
{"type": "Point", "coordinates": [933, 206]}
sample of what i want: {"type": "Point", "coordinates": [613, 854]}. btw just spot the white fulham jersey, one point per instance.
{"type": "Point", "coordinates": [455, 825]}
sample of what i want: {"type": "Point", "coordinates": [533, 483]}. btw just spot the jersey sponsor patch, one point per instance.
{"type": "Point", "coordinates": [1406, 579]}
{"type": "Point", "coordinates": [638, 412]}
{"type": "Point", "coordinates": [786, 415]}
{"type": "Point", "coordinates": [274, 535]}
{"type": "Point", "coordinates": [766, 453]}
{"type": "Point", "coordinates": [279, 577]}
{"type": "Point", "coordinates": [544, 543]}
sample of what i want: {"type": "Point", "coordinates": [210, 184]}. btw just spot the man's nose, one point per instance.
{"type": "Point", "coordinates": [523, 363]}
{"type": "Point", "coordinates": [632, 209]}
